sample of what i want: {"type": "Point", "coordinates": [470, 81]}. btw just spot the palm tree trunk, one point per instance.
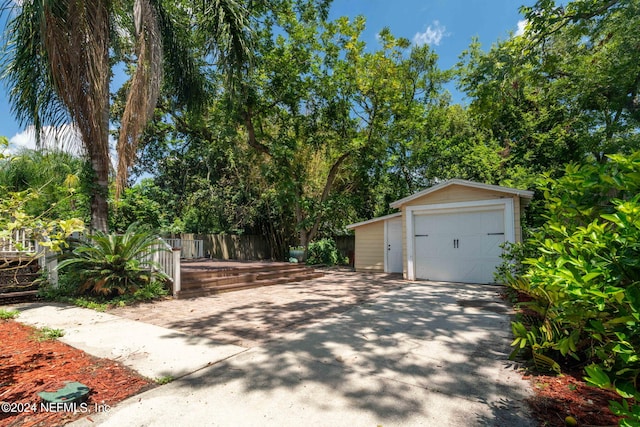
{"type": "Point", "coordinates": [101, 161]}
{"type": "Point", "coordinates": [100, 184]}
{"type": "Point", "coordinates": [77, 44]}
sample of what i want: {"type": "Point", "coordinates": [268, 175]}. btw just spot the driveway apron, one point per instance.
{"type": "Point", "coordinates": [427, 354]}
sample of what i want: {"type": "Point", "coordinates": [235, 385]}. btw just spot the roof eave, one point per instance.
{"type": "Point", "coordinates": [521, 193]}
{"type": "Point", "coordinates": [373, 220]}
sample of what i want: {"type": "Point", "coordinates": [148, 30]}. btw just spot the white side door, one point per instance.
{"type": "Point", "coordinates": [393, 241]}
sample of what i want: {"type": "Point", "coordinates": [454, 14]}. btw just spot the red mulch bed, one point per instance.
{"type": "Point", "coordinates": [557, 397]}
{"type": "Point", "coordinates": [29, 366]}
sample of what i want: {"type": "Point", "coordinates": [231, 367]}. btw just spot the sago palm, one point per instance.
{"type": "Point", "coordinates": [57, 66]}
{"type": "Point", "coordinates": [114, 264]}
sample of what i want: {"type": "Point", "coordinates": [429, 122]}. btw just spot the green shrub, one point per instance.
{"type": "Point", "coordinates": [584, 283]}
{"type": "Point", "coordinates": [114, 264]}
{"type": "Point", "coordinates": [325, 252]}
{"type": "Point", "coordinates": [67, 286]}
{"type": "Point", "coordinates": [513, 257]}
{"type": "Point", "coordinates": [67, 292]}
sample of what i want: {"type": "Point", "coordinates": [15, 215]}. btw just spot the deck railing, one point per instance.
{"type": "Point", "coordinates": [189, 248]}
{"type": "Point", "coordinates": [167, 258]}
{"type": "Point", "coordinates": [19, 243]}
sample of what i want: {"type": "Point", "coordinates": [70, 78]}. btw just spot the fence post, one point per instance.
{"type": "Point", "coordinates": [52, 268]}
{"type": "Point", "coordinates": [176, 271]}
{"type": "Point", "coordinates": [48, 261]}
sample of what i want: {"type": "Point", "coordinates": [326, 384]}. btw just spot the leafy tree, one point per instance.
{"type": "Point", "coordinates": [317, 102]}
{"type": "Point", "coordinates": [519, 109]}
{"type": "Point", "coordinates": [329, 132]}
{"type": "Point", "coordinates": [143, 203]}
{"type": "Point", "coordinates": [566, 90]}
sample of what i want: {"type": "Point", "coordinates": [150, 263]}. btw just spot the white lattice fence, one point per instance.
{"type": "Point", "coordinates": [20, 242]}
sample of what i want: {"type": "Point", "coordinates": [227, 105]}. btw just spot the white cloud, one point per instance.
{"type": "Point", "coordinates": [25, 139]}
{"type": "Point", "coordinates": [431, 36]}
{"type": "Point", "coordinates": [65, 137]}
{"type": "Point", "coordinates": [521, 26]}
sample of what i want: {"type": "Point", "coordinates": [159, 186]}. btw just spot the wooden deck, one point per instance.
{"type": "Point", "coordinates": [209, 276]}
{"type": "Point", "coordinates": [199, 277]}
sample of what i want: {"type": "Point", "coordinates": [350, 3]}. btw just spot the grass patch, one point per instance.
{"type": "Point", "coordinates": [46, 334]}
{"type": "Point", "coordinates": [164, 380]}
{"type": "Point", "coordinates": [8, 314]}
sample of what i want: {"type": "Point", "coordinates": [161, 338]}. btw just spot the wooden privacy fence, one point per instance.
{"type": "Point", "coordinates": [230, 246]}
{"type": "Point", "coordinates": [346, 246]}
{"type": "Point", "coordinates": [248, 247]}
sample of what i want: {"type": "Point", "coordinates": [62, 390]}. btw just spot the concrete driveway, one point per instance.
{"type": "Point", "coordinates": [420, 354]}
{"type": "Point", "coordinates": [253, 317]}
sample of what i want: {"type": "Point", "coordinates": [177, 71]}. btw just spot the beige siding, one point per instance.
{"type": "Point", "coordinates": [517, 216]}
{"type": "Point", "coordinates": [369, 254]}
{"type": "Point", "coordinates": [456, 193]}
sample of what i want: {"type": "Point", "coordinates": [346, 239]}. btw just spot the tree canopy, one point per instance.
{"type": "Point", "coordinates": [319, 129]}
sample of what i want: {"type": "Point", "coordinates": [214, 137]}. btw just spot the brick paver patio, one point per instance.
{"type": "Point", "coordinates": [254, 316]}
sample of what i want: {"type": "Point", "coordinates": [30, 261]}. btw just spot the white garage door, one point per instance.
{"type": "Point", "coordinates": [459, 246]}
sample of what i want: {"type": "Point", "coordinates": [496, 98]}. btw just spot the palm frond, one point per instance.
{"type": "Point", "coordinates": [182, 69]}
{"type": "Point", "coordinates": [25, 68]}
{"type": "Point", "coordinates": [144, 90]}
{"type": "Point", "coordinates": [121, 263]}
{"type": "Point", "coordinates": [76, 39]}
{"type": "Point", "coordinates": [230, 39]}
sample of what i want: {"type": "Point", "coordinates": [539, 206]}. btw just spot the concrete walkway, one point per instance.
{"type": "Point", "coordinates": [426, 354]}
{"type": "Point", "coordinates": [152, 351]}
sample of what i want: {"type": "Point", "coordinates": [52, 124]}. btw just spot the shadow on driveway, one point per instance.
{"type": "Point", "coordinates": [254, 316]}
{"type": "Point", "coordinates": [423, 354]}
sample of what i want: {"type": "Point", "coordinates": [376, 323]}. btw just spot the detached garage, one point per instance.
{"type": "Point", "coordinates": [449, 232]}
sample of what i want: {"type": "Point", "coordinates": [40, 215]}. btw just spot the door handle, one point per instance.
{"type": "Point", "coordinates": [456, 243]}
{"type": "Point", "coordinates": [388, 247]}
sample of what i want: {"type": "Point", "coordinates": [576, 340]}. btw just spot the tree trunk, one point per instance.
{"type": "Point", "coordinates": [99, 194]}
{"type": "Point", "coordinates": [99, 152]}
{"type": "Point", "coordinates": [77, 43]}
{"type": "Point", "coordinates": [304, 242]}
{"type": "Point", "coordinates": [307, 235]}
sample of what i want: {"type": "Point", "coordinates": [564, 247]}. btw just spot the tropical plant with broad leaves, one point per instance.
{"type": "Point", "coordinates": [114, 264]}
{"type": "Point", "coordinates": [17, 219]}
{"type": "Point", "coordinates": [584, 282]}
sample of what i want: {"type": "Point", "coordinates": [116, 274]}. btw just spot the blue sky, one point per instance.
{"type": "Point", "coordinates": [446, 25]}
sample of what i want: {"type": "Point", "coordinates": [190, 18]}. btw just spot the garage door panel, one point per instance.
{"type": "Point", "coordinates": [458, 246]}
{"type": "Point", "coordinates": [481, 246]}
